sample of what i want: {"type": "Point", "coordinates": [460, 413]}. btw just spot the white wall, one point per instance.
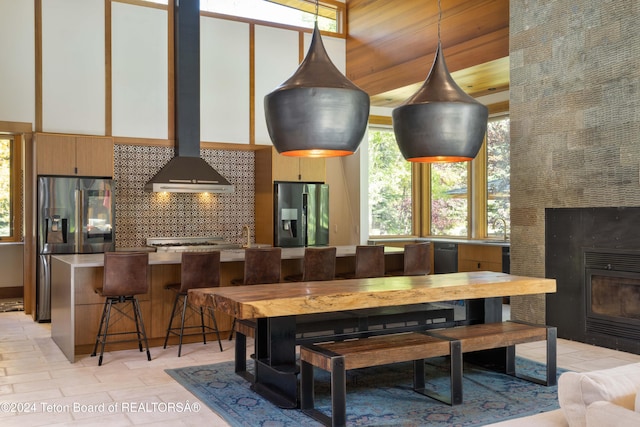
{"type": "Point", "coordinates": [140, 71]}
{"type": "Point", "coordinates": [73, 66]}
{"type": "Point", "coordinates": [17, 63]}
{"type": "Point", "coordinates": [11, 265]}
{"type": "Point", "coordinates": [224, 81]}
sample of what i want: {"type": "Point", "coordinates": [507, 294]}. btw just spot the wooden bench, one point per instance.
{"type": "Point", "coordinates": [506, 334]}
{"type": "Point", "coordinates": [339, 357]}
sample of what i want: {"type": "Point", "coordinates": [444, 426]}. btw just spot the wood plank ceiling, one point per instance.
{"type": "Point", "coordinates": [391, 45]}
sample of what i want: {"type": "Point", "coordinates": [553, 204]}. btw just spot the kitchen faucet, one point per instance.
{"type": "Point", "coordinates": [248, 231]}
{"type": "Point", "coordinates": [504, 227]}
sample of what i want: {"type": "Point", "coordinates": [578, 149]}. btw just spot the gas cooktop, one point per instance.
{"type": "Point", "coordinates": [183, 244]}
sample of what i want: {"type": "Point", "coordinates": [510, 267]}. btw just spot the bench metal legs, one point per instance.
{"type": "Point", "coordinates": [338, 393]}
{"type": "Point", "coordinates": [455, 398]}
{"type": "Point", "coordinates": [551, 374]}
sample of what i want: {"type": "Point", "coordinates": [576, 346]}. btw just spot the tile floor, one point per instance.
{"type": "Point", "coordinates": [37, 380]}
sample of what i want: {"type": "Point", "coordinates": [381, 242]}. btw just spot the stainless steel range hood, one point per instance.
{"type": "Point", "coordinates": [187, 172]}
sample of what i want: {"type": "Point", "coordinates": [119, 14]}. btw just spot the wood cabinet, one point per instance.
{"type": "Point", "coordinates": [297, 168]}
{"type": "Point", "coordinates": [479, 258]}
{"type": "Point", "coordinates": [74, 155]}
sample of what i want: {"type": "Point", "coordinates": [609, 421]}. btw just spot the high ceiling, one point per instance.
{"type": "Point", "coordinates": [391, 45]}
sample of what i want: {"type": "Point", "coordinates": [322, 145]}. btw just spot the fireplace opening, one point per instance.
{"type": "Point", "coordinates": [612, 293]}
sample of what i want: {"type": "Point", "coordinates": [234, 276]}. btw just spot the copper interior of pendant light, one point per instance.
{"type": "Point", "coordinates": [440, 122]}
{"type": "Point", "coordinates": [317, 153]}
{"type": "Point", "coordinates": [317, 112]}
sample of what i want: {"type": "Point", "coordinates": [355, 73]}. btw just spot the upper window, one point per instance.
{"type": "Point", "coordinates": [300, 13]}
{"type": "Point", "coordinates": [390, 207]}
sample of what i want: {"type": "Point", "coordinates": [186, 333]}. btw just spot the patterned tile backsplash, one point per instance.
{"type": "Point", "coordinates": [140, 215]}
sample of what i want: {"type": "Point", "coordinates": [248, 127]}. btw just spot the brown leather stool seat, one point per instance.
{"type": "Point", "coordinates": [417, 260]}
{"type": "Point", "coordinates": [319, 264]}
{"type": "Point", "coordinates": [261, 266]}
{"type": "Point", "coordinates": [369, 262]}
{"type": "Point", "coordinates": [125, 276]}
{"type": "Point", "coordinates": [198, 270]}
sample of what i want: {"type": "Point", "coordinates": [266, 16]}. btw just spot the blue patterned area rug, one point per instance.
{"type": "Point", "coordinates": [380, 396]}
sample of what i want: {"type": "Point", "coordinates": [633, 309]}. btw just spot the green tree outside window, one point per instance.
{"type": "Point", "coordinates": [390, 209]}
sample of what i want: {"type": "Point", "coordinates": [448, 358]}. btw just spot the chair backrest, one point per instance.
{"type": "Point", "coordinates": [125, 273]}
{"type": "Point", "coordinates": [417, 259]}
{"type": "Point", "coordinates": [319, 264]}
{"type": "Point", "coordinates": [262, 265]}
{"type": "Point", "coordinates": [200, 270]}
{"type": "Point", "coordinates": [369, 261]}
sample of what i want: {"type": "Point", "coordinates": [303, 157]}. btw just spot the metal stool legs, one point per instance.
{"type": "Point", "coordinates": [173, 330]}
{"type": "Point", "coordinates": [103, 330]}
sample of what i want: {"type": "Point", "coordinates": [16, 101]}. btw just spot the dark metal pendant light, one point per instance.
{"type": "Point", "coordinates": [440, 122]}
{"type": "Point", "coordinates": [317, 112]}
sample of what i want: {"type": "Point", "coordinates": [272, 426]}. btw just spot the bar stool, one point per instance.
{"type": "Point", "coordinates": [261, 266]}
{"type": "Point", "coordinates": [198, 270]}
{"type": "Point", "coordinates": [417, 260]}
{"type": "Point", "coordinates": [369, 262]}
{"type": "Point", "coordinates": [125, 276]}
{"type": "Point", "coordinates": [319, 264]}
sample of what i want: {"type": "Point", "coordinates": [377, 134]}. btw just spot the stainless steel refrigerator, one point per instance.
{"type": "Point", "coordinates": [75, 216]}
{"type": "Point", "coordinates": [301, 214]}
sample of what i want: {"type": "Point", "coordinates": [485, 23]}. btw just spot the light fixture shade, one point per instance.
{"type": "Point", "coordinates": [440, 122]}
{"type": "Point", "coordinates": [317, 112]}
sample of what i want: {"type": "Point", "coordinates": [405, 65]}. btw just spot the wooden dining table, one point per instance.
{"type": "Point", "coordinates": [274, 307]}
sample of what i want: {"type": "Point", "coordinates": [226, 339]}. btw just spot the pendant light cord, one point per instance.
{"type": "Point", "coordinates": [439, 19]}
{"type": "Point", "coordinates": [317, 1]}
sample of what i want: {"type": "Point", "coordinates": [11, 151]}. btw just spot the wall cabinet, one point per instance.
{"type": "Point", "coordinates": [297, 168]}
{"type": "Point", "coordinates": [479, 258]}
{"type": "Point", "coordinates": [74, 155]}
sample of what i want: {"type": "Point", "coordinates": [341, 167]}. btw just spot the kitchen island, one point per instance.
{"type": "Point", "coordinates": [76, 308]}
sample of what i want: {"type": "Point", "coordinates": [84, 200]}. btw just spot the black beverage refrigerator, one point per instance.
{"type": "Point", "coordinates": [301, 214]}
{"type": "Point", "coordinates": [75, 216]}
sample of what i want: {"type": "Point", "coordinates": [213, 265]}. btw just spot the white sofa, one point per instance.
{"type": "Point", "coordinates": [608, 397]}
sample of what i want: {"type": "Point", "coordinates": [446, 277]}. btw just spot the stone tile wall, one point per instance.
{"type": "Point", "coordinates": [575, 119]}
{"type": "Point", "coordinates": [140, 214]}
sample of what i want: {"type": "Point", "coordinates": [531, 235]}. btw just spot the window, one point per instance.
{"type": "Point", "coordinates": [390, 206]}
{"type": "Point", "coordinates": [464, 199]}
{"type": "Point", "coordinates": [498, 173]}
{"type": "Point", "coordinates": [9, 174]}
{"type": "Point", "coordinates": [300, 13]}
{"type": "Point", "coordinates": [449, 199]}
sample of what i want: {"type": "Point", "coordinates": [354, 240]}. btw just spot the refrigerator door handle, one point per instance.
{"type": "Point", "coordinates": [79, 221]}
{"type": "Point", "coordinates": [44, 289]}
{"type": "Point", "coordinates": [305, 206]}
